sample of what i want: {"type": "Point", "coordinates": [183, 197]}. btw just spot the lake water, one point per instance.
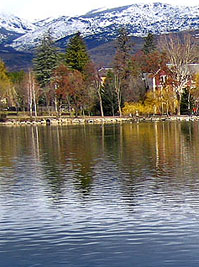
{"type": "Point", "coordinates": [89, 196]}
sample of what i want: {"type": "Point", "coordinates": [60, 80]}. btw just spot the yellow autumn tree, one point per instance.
{"type": "Point", "coordinates": [132, 108]}
{"type": "Point", "coordinates": [7, 91]}
{"type": "Point", "coordinates": [169, 100]}
{"type": "Point", "coordinates": [162, 101]}
{"type": "Point", "coordinates": [151, 103]}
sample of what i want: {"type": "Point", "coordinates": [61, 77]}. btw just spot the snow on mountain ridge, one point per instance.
{"type": "Point", "coordinates": [138, 18]}
{"type": "Point", "coordinates": [96, 11]}
{"type": "Point", "coordinates": [14, 23]}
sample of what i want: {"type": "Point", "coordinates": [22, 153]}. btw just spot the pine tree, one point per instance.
{"type": "Point", "coordinates": [76, 53]}
{"type": "Point", "coordinates": [149, 45]}
{"type": "Point", "coordinates": [123, 44]}
{"type": "Point", "coordinates": [45, 61]}
{"type": "Point", "coordinates": [109, 96]}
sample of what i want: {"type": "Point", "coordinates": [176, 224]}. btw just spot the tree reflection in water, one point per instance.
{"type": "Point", "coordinates": [74, 154]}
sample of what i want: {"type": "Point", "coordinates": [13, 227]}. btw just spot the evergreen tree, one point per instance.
{"type": "Point", "coordinates": [186, 103]}
{"type": "Point", "coordinates": [45, 61]}
{"type": "Point", "coordinates": [123, 44]}
{"type": "Point", "coordinates": [76, 53]}
{"type": "Point", "coordinates": [109, 95]}
{"type": "Point", "coordinates": [149, 45]}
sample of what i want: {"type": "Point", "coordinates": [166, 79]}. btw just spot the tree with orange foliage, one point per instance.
{"type": "Point", "coordinates": [69, 88]}
{"type": "Point", "coordinates": [151, 62]}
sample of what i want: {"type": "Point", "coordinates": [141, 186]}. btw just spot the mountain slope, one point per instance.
{"type": "Point", "coordinates": [12, 27]}
{"type": "Point", "coordinates": [139, 19]}
{"type": "Point", "coordinates": [98, 27]}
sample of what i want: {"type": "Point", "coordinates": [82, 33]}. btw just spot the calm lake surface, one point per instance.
{"type": "Point", "coordinates": [113, 195]}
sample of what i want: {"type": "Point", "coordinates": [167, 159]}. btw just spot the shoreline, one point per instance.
{"type": "Point", "coordinates": [93, 120]}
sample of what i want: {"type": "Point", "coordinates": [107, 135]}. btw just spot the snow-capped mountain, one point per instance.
{"type": "Point", "coordinates": [139, 19]}
{"type": "Point", "coordinates": [11, 27]}
{"type": "Point", "coordinates": [15, 24]}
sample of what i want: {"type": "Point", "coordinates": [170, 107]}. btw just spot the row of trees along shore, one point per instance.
{"type": "Point", "coordinates": [70, 83]}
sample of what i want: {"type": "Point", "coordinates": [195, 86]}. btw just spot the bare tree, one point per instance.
{"type": "Point", "coordinates": [32, 91]}
{"type": "Point", "coordinates": [98, 87]}
{"type": "Point", "coordinates": [93, 80]}
{"type": "Point", "coordinates": [181, 52]}
{"type": "Point", "coordinates": [121, 66]}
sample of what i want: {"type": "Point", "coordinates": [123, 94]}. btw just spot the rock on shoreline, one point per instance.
{"type": "Point", "coordinates": [94, 120]}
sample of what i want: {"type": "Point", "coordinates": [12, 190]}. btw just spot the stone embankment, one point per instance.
{"type": "Point", "coordinates": [93, 120]}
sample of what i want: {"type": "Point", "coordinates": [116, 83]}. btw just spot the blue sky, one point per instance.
{"type": "Point", "coordinates": [38, 9]}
